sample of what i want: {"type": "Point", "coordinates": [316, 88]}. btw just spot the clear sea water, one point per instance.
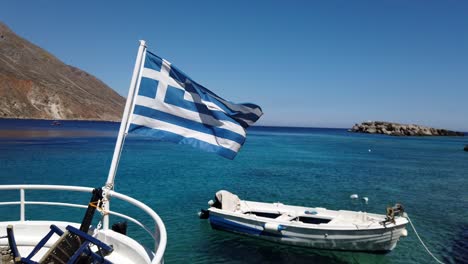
{"type": "Point", "coordinates": [299, 166]}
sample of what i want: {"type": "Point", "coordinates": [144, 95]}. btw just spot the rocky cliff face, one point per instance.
{"type": "Point", "coordinates": [35, 84]}
{"type": "Point", "coordinates": [395, 129]}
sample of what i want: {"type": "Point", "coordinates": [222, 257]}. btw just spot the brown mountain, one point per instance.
{"type": "Point", "coordinates": [35, 84]}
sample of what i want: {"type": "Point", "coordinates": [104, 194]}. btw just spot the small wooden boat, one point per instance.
{"type": "Point", "coordinates": [306, 226]}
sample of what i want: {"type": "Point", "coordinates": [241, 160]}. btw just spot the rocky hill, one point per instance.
{"type": "Point", "coordinates": [35, 84]}
{"type": "Point", "coordinates": [395, 129]}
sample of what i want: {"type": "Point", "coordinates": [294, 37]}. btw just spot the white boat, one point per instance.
{"type": "Point", "coordinates": [308, 226]}
{"type": "Point", "coordinates": [53, 241]}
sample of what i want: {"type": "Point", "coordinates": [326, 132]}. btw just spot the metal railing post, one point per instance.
{"type": "Point", "coordinates": [156, 240]}
{"type": "Point", "coordinates": [22, 208]}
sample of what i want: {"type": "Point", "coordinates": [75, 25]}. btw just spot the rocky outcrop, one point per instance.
{"type": "Point", "coordinates": [35, 84]}
{"type": "Point", "coordinates": [395, 129]}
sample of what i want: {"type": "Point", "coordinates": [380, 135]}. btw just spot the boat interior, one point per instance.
{"type": "Point", "coordinates": [287, 217]}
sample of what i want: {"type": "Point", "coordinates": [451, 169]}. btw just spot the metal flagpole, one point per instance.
{"type": "Point", "coordinates": [122, 131]}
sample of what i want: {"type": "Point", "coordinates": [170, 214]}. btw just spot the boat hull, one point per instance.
{"type": "Point", "coordinates": [378, 240]}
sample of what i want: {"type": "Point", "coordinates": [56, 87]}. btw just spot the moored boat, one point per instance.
{"type": "Point", "coordinates": [308, 226]}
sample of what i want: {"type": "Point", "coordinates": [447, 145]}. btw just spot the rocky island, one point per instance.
{"type": "Point", "coordinates": [395, 129]}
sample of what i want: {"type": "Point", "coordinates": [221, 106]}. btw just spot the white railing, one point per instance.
{"type": "Point", "coordinates": [159, 234]}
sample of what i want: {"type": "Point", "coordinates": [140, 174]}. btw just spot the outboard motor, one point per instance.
{"type": "Point", "coordinates": [223, 200]}
{"type": "Point", "coordinates": [204, 214]}
{"type": "Point", "coordinates": [215, 203]}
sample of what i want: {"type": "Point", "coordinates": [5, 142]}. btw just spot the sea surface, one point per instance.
{"type": "Point", "coordinates": [298, 166]}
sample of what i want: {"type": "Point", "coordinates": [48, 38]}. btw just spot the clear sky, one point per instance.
{"type": "Point", "coordinates": [306, 63]}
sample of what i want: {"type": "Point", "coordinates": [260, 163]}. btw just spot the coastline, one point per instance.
{"type": "Point", "coordinates": [10, 126]}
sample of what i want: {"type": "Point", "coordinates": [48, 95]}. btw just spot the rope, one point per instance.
{"type": "Point", "coordinates": [99, 206]}
{"type": "Point", "coordinates": [424, 245]}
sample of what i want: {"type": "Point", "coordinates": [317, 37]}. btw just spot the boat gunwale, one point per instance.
{"type": "Point", "coordinates": [400, 222]}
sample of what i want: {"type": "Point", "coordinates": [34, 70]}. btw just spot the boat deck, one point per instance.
{"type": "Point", "coordinates": [300, 215]}
{"type": "Point", "coordinates": [29, 233]}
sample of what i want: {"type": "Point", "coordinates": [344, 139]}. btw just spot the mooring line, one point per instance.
{"type": "Point", "coordinates": [424, 245]}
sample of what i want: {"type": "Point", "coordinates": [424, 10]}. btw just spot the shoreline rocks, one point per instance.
{"type": "Point", "coordinates": [396, 129]}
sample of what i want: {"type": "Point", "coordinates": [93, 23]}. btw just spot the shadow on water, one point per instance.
{"type": "Point", "coordinates": [459, 247]}
{"type": "Point", "coordinates": [234, 248]}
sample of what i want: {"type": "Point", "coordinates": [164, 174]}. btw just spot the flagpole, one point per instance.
{"type": "Point", "coordinates": [122, 131]}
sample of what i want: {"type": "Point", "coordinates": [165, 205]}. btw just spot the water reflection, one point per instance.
{"type": "Point", "coordinates": [233, 248]}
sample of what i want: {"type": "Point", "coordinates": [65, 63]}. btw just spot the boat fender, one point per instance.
{"type": "Point", "coordinates": [354, 196]}
{"type": "Point", "coordinates": [404, 232]}
{"type": "Point", "coordinates": [210, 203]}
{"type": "Point", "coordinates": [204, 214]}
{"type": "Point", "coordinates": [273, 227]}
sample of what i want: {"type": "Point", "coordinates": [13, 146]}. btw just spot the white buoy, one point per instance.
{"type": "Point", "coordinates": [365, 199]}
{"type": "Point", "coordinates": [354, 196]}
{"type": "Point", "coordinates": [210, 202]}
{"type": "Point", "coordinates": [369, 150]}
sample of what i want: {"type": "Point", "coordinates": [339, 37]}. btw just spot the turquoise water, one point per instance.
{"type": "Point", "coordinates": [310, 167]}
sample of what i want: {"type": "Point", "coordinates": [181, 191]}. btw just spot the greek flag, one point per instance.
{"type": "Point", "coordinates": [170, 106]}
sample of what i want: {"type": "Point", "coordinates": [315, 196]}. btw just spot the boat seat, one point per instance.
{"type": "Point", "coordinates": [349, 217]}
{"type": "Point", "coordinates": [73, 245]}
{"type": "Point", "coordinates": [286, 217]}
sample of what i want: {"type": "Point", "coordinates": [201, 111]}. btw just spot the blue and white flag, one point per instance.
{"type": "Point", "coordinates": [170, 106]}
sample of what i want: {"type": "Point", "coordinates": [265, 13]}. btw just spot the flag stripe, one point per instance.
{"type": "Point", "coordinates": [190, 115]}
{"type": "Point", "coordinates": [182, 131]}
{"type": "Point", "coordinates": [229, 108]}
{"type": "Point", "coordinates": [178, 75]}
{"type": "Point", "coordinates": [251, 111]}
{"type": "Point", "coordinates": [237, 112]}
{"type": "Point", "coordinates": [192, 101]}
{"type": "Point", "coordinates": [192, 125]}
{"type": "Point", "coordinates": [176, 138]}
{"type": "Point", "coordinates": [176, 97]}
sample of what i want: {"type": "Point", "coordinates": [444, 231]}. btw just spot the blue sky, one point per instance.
{"type": "Point", "coordinates": [307, 63]}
